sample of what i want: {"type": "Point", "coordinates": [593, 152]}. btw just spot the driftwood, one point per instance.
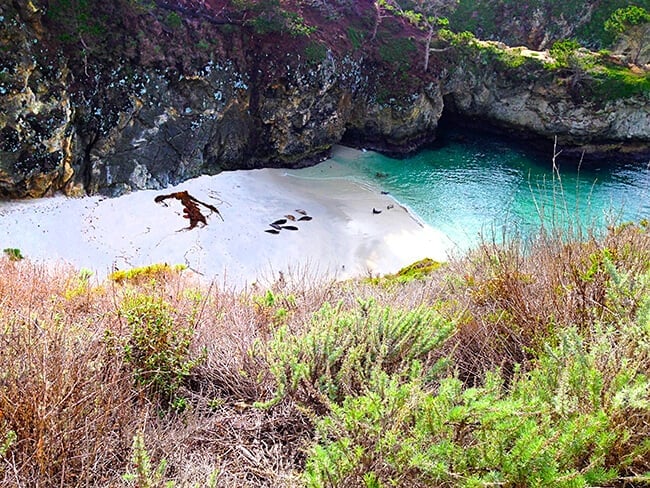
{"type": "Point", "coordinates": [191, 208]}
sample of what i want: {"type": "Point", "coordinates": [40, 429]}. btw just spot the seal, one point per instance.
{"type": "Point", "coordinates": [375, 211]}
{"type": "Point", "coordinates": [290, 227]}
{"type": "Point", "coordinates": [272, 231]}
{"type": "Point", "coordinates": [305, 218]}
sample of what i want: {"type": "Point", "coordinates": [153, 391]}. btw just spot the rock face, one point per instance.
{"type": "Point", "coordinates": [36, 145]}
{"type": "Point", "coordinates": [121, 118]}
{"type": "Point", "coordinates": [533, 102]}
{"type": "Point", "coordinates": [154, 94]}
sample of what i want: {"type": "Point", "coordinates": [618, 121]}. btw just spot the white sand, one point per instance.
{"type": "Point", "coordinates": [343, 239]}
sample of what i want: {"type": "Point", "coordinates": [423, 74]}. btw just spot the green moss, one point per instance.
{"type": "Point", "coordinates": [315, 52]}
{"type": "Point", "coordinates": [616, 82]}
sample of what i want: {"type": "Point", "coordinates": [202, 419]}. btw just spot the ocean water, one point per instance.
{"type": "Point", "coordinates": [478, 186]}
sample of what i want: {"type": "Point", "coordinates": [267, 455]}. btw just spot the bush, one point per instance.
{"type": "Point", "coordinates": [555, 426]}
{"type": "Point", "coordinates": [157, 350]}
{"type": "Point", "coordinates": [563, 50]}
{"type": "Point", "coordinates": [341, 350]}
{"type": "Point", "coordinates": [145, 274]}
{"type": "Point", "coordinates": [13, 254]}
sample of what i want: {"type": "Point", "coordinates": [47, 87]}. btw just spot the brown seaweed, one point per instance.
{"type": "Point", "coordinates": [191, 210]}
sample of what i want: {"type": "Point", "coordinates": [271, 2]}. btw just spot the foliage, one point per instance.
{"type": "Point", "coordinates": [315, 52]}
{"type": "Point", "coordinates": [342, 349]}
{"type": "Point", "coordinates": [490, 19]}
{"type": "Point", "coordinates": [268, 16]}
{"type": "Point", "coordinates": [519, 364]}
{"type": "Point", "coordinates": [611, 82]}
{"type": "Point", "coordinates": [624, 18]}
{"type": "Point", "coordinates": [143, 475]}
{"type": "Point", "coordinates": [13, 254]}
{"type": "Point", "coordinates": [356, 37]}
{"type": "Point", "coordinates": [158, 351]}
{"type": "Point", "coordinates": [77, 19]}
{"type": "Point", "coordinates": [563, 50]}
{"type": "Point", "coordinates": [275, 308]}
{"type": "Point", "coordinates": [415, 271]}
{"type": "Point", "coordinates": [425, 14]}
{"type": "Point", "coordinates": [397, 51]}
{"type": "Point", "coordinates": [143, 274]}
{"type": "Point", "coordinates": [174, 20]}
{"type": "Point", "coordinates": [572, 420]}
{"type": "Point", "coordinates": [631, 24]}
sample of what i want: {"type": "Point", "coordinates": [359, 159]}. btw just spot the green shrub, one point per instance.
{"type": "Point", "coordinates": [315, 52]}
{"type": "Point", "coordinates": [539, 434]}
{"type": "Point", "coordinates": [13, 254]}
{"type": "Point", "coordinates": [578, 414]}
{"type": "Point", "coordinates": [158, 350]}
{"type": "Point", "coordinates": [342, 349]}
{"type": "Point", "coordinates": [142, 274]}
{"type": "Point", "coordinates": [174, 20]}
{"type": "Point", "coordinates": [143, 476]}
{"type": "Point", "coordinates": [563, 50]}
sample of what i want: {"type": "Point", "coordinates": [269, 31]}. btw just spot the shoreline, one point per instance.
{"type": "Point", "coordinates": [340, 236]}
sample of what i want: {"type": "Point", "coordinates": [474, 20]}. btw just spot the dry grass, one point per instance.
{"type": "Point", "coordinates": [510, 298]}
{"type": "Point", "coordinates": [71, 399]}
{"type": "Point", "coordinates": [74, 407]}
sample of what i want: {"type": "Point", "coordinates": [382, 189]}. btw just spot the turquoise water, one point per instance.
{"type": "Point", "coordinates": [480, 185]}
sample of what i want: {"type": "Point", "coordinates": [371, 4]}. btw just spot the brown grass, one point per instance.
{"type": "Point", "coordinates": [71, 399]}
{"type": "Point", "coordinates": [510, 298]}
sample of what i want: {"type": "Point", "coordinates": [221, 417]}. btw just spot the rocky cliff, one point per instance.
{"type": "Point", "coordinates": [113, 96]}
{"type": "Point", "coordinates": [519, 92]}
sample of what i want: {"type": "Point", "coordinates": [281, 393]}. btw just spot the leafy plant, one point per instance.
{"type": "Point", "coordinates": [563, 50]}
{"type": "Point", "coordinates": [158, 350]}
{"type": "Point", "coordinates": [341, 350]}
{"type": "Point", "coordinates": [537, 433]}
{"type": "Point", "coordinates": [13, 254]}
{"type": "Point", "coordinates": [631, 25]}
{"type": "Point", "coordinates": [143, 476]}
{"type": "Point", "coordinates": [146, 273]}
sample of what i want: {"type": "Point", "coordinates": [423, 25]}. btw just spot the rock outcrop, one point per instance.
{"type": "Point", "coordinates": [531, 101]}
{"type": "Point", "coordinates": [151, 94]}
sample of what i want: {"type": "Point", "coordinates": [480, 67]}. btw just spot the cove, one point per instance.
{"type": "Point", "coordinates": [473, 186]}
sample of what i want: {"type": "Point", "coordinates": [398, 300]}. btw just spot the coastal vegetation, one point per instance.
{"type": "Point", "coordinates": [522, 363]}
{"type": "Point", "coordinates": [519, 364]}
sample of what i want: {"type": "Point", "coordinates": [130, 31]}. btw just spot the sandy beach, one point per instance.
{"type": "Point", "coordinates": [344, 237]}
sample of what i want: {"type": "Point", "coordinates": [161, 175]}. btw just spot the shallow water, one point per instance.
{"type": "Point", "coordinates": [472, 186]}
